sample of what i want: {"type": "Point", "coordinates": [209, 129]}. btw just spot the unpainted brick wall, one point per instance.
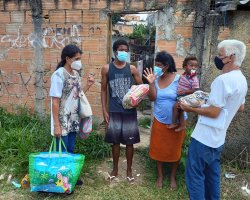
{"type": "Point", "coordinates": [85, 23]}
{"type": "Point", "coordinates": [82, 22]}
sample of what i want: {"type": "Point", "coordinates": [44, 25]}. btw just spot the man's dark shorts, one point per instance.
{"type": "Point", "coordinates": [122, 128]}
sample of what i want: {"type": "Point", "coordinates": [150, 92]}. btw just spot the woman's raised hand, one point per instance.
{"type": "Point", "coordinates": [149, 75]}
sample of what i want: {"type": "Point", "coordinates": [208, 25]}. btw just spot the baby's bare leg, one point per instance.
{"type": "Point", "coordinates": [182, 121]}
{"type": "Point", "coordinates": [175, 116]}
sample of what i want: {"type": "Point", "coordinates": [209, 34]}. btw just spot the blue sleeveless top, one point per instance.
{"type": "Point", "coordinates": [119, 82]}
{"type": "Point", "coordinates": [165, 100]}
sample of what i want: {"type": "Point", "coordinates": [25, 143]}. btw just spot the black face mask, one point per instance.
{"type": "Point", "coordinates": [218, 63]}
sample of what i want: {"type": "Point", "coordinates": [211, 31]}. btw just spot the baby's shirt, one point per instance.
{"type": "Point", "coordinates": [188, 82]}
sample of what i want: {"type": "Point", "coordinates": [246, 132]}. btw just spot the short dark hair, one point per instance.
{"type": "Point", "coordinates": [119, 42]}
{"type": "Point", "coordinates": [187, 59]}
{"type": "Point", "coordinates": [166, 59]}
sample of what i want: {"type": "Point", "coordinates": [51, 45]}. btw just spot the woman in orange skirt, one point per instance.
{"type": "Point", "coordinates": [165, 143]}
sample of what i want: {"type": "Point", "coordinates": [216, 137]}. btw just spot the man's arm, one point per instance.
{"type": "Point", "coordinates": [104, 84]}
{"type": "Point", "coordinates": [211, 111]}
{"type": "Point", "coordinates": [136, 74]}
{"type": "Point", "coordinates": [242, 108]}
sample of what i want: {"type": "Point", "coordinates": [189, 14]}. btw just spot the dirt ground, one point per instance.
{"type": "Point", "coordinates": [106, 167]}
{"type": "Point", "coordinates": [230, 188]}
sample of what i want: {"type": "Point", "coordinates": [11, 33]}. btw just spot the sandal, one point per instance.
{"type": "Point", "coordinates": [130, 180]}
{"type": "Point", "coordinates": [110, 178]}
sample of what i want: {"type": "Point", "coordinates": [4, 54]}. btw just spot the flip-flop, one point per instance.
{"type": "Point", "coordinates": [110, 178]}
{"type": "Point", "coordinates": [130, 180]}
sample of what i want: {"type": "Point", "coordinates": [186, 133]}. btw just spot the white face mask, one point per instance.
{"type": "Point", "coordinates": [76, 65]}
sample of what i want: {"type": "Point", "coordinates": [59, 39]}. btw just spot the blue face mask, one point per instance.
{"type": "Point", "coordinates": [158, 71]}
{"type": "Point", "coordinates": [122, 56]}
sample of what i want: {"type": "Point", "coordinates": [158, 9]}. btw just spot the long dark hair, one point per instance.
{"type": "Point", "coordinates": [70, 51]}
{"type": "Point", "coordinates": [166, 59]}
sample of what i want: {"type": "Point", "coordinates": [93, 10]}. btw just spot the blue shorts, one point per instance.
{"type": "Point", "coordinates": [122, 128]}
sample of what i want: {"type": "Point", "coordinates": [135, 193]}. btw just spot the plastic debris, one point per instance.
{"type": "Point", "coordinates": [148, 127]}
{"type": "Point", "coordinates": [25, 182]}
{"type": "Point", "coordinates": [9, 178]}
{"type": "Point", "coordinates": [138, 175]}
{"type": "Point", "coordinates": [245, 189]}
{"type": "Point", "coordinates": [230, 175]}
{"type": "Point", "coordinates": [17, 185]}
{"type": "Point", "coordinates": [2, 176]}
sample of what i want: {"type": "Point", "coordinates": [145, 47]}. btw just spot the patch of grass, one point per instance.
{"type": "Point", "coordinates": [94, 147]}
{"type": "Point", "coordinates": [22, 133]}
{"type": "Point", "coordinates": [144, 122]}
{"type": "Point", "coordinates": [185, 146]}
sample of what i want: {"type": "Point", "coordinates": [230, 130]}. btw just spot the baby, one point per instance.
{"type": "Point", "coordinates": [188, 84]}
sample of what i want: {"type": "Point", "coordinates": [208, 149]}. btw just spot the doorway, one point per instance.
{"type": "Point", "coordinates": [139, 30]}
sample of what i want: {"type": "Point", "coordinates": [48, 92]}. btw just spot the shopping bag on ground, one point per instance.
{"type": "Point", "coordinates": [54, 171]}
{"type": "Point", "coordinates": [135, 95]}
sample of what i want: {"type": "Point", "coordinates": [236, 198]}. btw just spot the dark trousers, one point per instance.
{"type": "Point", "coordinates": [69, 142]}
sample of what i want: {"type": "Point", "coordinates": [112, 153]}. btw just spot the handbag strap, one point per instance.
{"type": "Point", "coordinates": [53, 146]}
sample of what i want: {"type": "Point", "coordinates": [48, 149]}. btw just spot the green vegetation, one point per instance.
{"type": "Point", "coordinates": [22, 133]}
{"type": "Point", "coordinates": [142, 33]}
{"type": "Point", "coordinates": [185, 148]}
{"type": "Point", "coordinates": [115, 18]}
{"type": "Point", "coordinates": [144, 122]}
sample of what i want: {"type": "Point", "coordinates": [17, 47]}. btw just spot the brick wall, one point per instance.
{"type": "Point", "coordinates": [83, 22]}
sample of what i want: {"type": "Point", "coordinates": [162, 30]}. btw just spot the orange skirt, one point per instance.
{"type": "Point", "coordinates": [165, 143]}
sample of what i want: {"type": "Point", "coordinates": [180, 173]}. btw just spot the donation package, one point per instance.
{"type": "Point", "coordinates": [135, 95]}
{"type": "Point", "coordinates": [196, 99]}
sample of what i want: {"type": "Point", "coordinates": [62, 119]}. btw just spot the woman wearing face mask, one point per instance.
{"type": "Point", "coordinates": [65, 87]}
{"type": "Point", "coordinates": [165, 143]}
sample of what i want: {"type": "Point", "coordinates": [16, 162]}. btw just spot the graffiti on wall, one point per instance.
{"type": "Point", "coordinates": [52, 37]}
{"type": "Point", "coordinates": [22, 85]}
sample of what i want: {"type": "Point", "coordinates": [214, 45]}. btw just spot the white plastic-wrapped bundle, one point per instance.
{"type": "Point", "coordinates": [135, 95]}
{"type": "Point", "coordinates": [196, 99]}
